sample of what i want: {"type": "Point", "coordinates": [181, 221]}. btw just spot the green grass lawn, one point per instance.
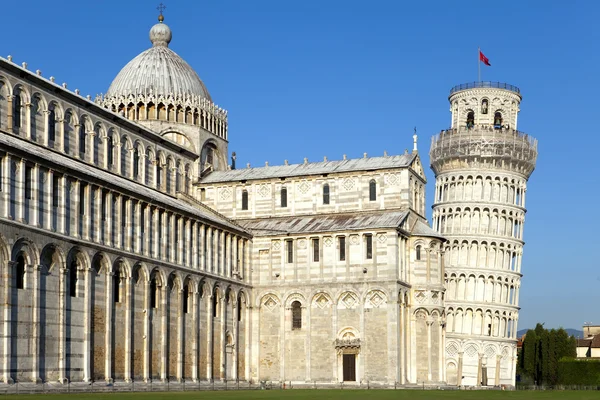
{"type": "Point", "coordinates": [323, 394]}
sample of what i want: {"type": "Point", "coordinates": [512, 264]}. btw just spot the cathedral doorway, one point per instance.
{"type": "Point", "coordinates": [349, 368]}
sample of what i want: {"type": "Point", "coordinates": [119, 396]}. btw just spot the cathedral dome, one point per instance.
{"type": "Point", "coordinates": [158, 70]}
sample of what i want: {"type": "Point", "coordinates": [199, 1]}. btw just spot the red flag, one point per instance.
{"type": "Point", "coordinates": [484, 59]}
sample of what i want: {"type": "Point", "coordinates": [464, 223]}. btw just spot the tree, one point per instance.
{"type": "Point", "coordinates": [542, 350]}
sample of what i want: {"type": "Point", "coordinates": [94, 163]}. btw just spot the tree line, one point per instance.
{"type": "Point", "coordinates": [540, 357]}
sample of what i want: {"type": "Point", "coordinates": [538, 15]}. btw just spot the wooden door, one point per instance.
{"type": "Point", "coordinates": [349, 367]}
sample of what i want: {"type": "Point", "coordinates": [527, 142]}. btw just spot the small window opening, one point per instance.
{"type": "Point", "coordinates": [136, 163]}
{"type": "Point", "coordinates": [372, 190]}
{"type": "Point", "coordinates": [82, 137]}
{"type": "Point", "coordinates": [81, 198]}
{"type": "Point", "coordinates": [283, 197]}
{"type": "Point", "coordinates": [186, 296]}
{"type": "Point", "coordinates": [369, 246]}
{"type": "Point", "coordinates": [289, 246]}
{"type": "Point", "coordinates": [55, 190]}
{"type": "Point", "coordinates": [418, 251]}
{"type": "Point", "coordinates": [342, 246]}
{"type": "Point", "coordinates": [28, 179]}
{"type": "Point", "coordinates": [315, 245]}
{"type": "Point", "coordinates": [215, 305]}
{"type": "Point", "coordinates": [20, 272]}
{"type": "Point", "coordinates": [73, 280]}
{"type": "Point", "coordinates": [471, 119]}
{"type": "Point", "coordinates": [110, 151]}
{"type": "Point", "coordinates": [17, 110]}
{"type": "Point", "coordinates": [244, 199]}
{"type": "Point", "coordinates": [51, 126]}
{"type": "Point", "coordinates": [153, 294]}
{"type": "Point", "coordinates": [239, 310]}
{"type": "Point", "coordinates": [117, 288]}
{"type": "Point", "coordinates": [296, 315]}
{"type": "Point", "coordinates": [497, 120]}
{"type": "Point", "coordinates": [326, 193]}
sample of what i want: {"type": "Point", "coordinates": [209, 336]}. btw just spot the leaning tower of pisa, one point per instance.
{"type": "Point", "coordinates": [482, 164]}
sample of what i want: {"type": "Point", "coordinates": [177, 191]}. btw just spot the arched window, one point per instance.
{"type": "Point", "coordinates": [470, 119]}
{"type": "Point", "coordinates": [117, 287]}
{"type": "Point", "coordinates": [153, 293]}
{"type": "Point", "coordinates": [418, 251]}
{"type": "Point", "coordinates": [296, 315]}
{"type": "Point", "coordinates": [82, 136]}
{"type": "Point", "coordinates": [215, 305]}
{"type": "Point", "coordinates": [372, 190]}
{"type": "Point", "coordinates": [73, 280]}
{"type": "Point", "coordinates": [110, 151]}
{"type": "Point", "coordinates": [159, 174]}
{"type": "Point", "coordinates": [20, 278]}
{"type": "Point", "coordinates": [326, 193]}
{"type": "Point", "coordinates": [186, 294]}
{"type": "Point", "coordinates": [52, 126]}
{"type": "Point", "coordinates": [136, 163]}
{"type": "Point", "coordinates": [244, 199]}
{"type": "Point", "coordinates": [484, 106]}
{"type": "Point", "coordinates": [283, 197]}
{"type": "Point", "coordinates": [17, 110]}
{"type": "Point", "coordinates": [498, 120]}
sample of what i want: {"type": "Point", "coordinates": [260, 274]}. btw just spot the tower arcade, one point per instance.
{"type": "Point", "coordinates": [482, 164]}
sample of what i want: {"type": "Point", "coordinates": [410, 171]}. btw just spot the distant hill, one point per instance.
{"type": "Point", "coordinates": [573, 332]}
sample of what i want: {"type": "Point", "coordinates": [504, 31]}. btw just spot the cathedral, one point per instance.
{"type": "Point", "coordinates": [133, 249]}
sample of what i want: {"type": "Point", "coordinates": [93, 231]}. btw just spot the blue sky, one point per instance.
{"type": "Point", "coordinates": [326, 78]}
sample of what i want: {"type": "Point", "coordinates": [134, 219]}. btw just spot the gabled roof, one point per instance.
{"type": "Point", "coordinates": [314, 168]}
{"type": "Point", "coordinates": [422, 229]}
{"type": "Point", "coordinates": [278, 226]}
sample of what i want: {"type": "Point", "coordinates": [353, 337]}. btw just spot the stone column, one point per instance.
{"type": "Point", "coordinates": [156, 237]}
{"type": "Point", "coordinates": [497, 372]}
{"type": "Point", "coordinates": [180, 328]}
{"type": "Point", "coordinates": [202, 247]}
{"type": "Point", "coordinates": [147, 227]}
{"type": "Point", "coordinates": [459, 369]}
{"type": "Point", "coordinates": [9, 267]}
{"type": "Point", "coordinates": [164, 349]}
{"type": "Point", "coordinates": [221, 253]}
{"type": "Point", "coordinates": [194, 262]}
{"type": "Point", "coordinates": [128, 281]}
{"type": "Point", "coordinates": [136, 222]}
{"type": "Point", "coordinates": [195, 332]}
{"type": "Point", "coordinates": [234, 258]}
{"type": "Point", "coordinates": [147, 332]}
{"type": "Point", "coordinates": [429, 360]}
{"type": "Point", "coordinates": [20, 189]}
{"type": "Point", "coordinates": [228, 253]}
{"type": "Point", "coordinates": [36, 334]}
{"type": "Point", "coordinates": [35, 195]}
{"type": "Point", "coordinates": [46, 135]}
{"type": "Point", "coordinates": [50, 201]}
{"type": "Point", "coordinates": [248, 341]}
{"type": "Point", "coordinates": [402, 343]}
{"type": "Point", "coordinates": [110, 214]}
{"type": "Point", "coordinates": [210, 333]}
{"type": "Point", "coordinates": [87, 217]}
{"type": "Point", "coordinates": [223, 341]}
{"type": "Point", "coordinates": [9, 114]}
{"type": "Point", "coordinates": [62, 325]}
{"type": "Point", "coordinates": [479, 366]}
{"type": "Point", "coordinates": [188, 242]}
{"type": "Point", "coordinates": [27, 121]}
{"type": "Point", "coordinates": [108, 347]}
{"type": "Point", "coordinates": [234, 367]}
{"type": "Point", "coordinates": [87, 325]}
